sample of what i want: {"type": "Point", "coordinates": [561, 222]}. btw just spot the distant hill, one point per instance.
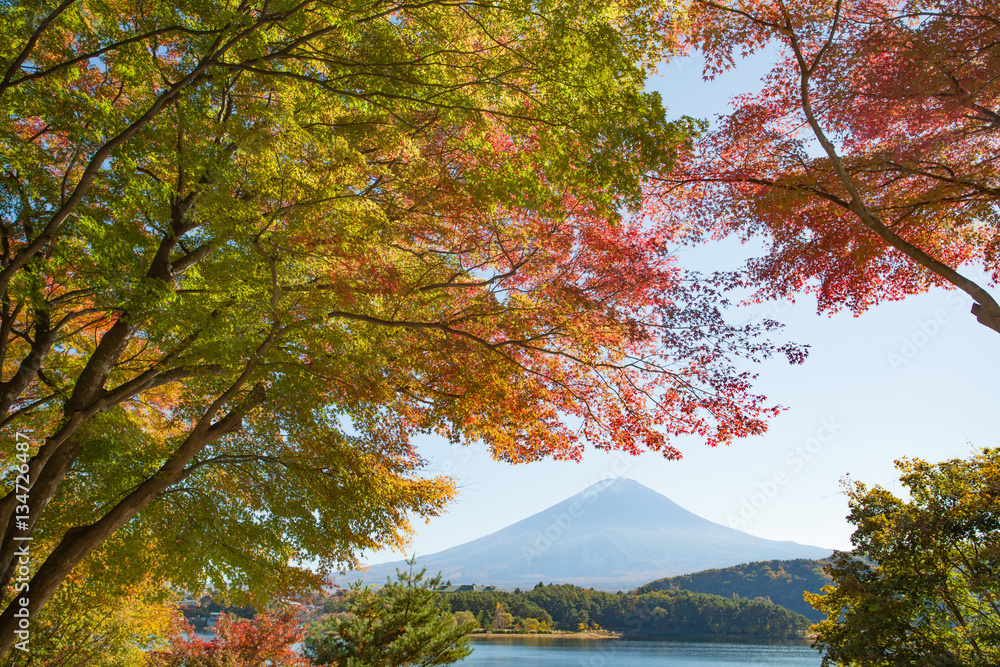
{"type": "Point", "coordinates": [614, 535]}
{"type": "Point", "coordinates": [654, 614]}
{"type": "Point", "coordinates": [782, 581]}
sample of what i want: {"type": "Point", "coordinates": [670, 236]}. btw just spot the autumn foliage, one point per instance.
{"type": "Point", "coordinates": [267, 639]}
{"type": "Point", "coordinates": [868, 158]}
{"type": "Point", "coordinates": [248, 252]}
{"type": "Point", "coordinates": [95, 621]}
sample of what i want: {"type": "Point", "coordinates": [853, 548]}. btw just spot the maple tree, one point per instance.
{"type": "Point", "coordinates": [248, 251]}
{"type": "Point", "coordinates": [92, 621]}
{"type": "Point", "coordinates": [867, 161]}
{"type": "Point", "coordinates": [266, 639]}
{"type": "Point", "coordinates": [922, 585]}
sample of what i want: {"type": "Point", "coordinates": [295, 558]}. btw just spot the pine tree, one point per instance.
{"type": "Point", "coordinates": [404, 623]}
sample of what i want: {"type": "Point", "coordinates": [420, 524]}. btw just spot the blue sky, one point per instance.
{"type": "Point", "coordinates": [915, 378]}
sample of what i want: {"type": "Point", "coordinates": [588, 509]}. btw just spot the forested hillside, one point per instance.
{"type": "Point", "coordinates": [780, 581]}
{"type": "Point", "coordinates": [657, 613]}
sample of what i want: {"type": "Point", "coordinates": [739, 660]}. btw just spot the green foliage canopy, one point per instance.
{"type": "Point", "coordinates": [403, 623]}
{"type": "Point", "coordinates": [922, 586]}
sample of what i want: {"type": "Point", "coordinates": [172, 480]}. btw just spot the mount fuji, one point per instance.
{"type": "Point", "coordinates": [614, 535]}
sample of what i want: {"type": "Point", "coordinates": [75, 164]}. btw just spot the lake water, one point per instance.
{"type": "Point", "coordinates": [554, 652]}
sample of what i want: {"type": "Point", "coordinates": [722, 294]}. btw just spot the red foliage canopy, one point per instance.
{"type": "Point", "coordinates": [869, 157]}
{"type": "Point", "coordinates": [267, 639]}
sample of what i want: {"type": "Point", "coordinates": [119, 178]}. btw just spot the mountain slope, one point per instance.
{"type": "Point", "coordinates": [614, 534]}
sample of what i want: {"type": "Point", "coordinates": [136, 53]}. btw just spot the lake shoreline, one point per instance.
{"type": "Point", "coordinates": [608, 634]}
{"type": "Point", "coordinates": [588, 634]}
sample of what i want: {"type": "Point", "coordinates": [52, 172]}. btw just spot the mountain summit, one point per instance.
{"type": "Point", "coordinates": [616, 534]}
